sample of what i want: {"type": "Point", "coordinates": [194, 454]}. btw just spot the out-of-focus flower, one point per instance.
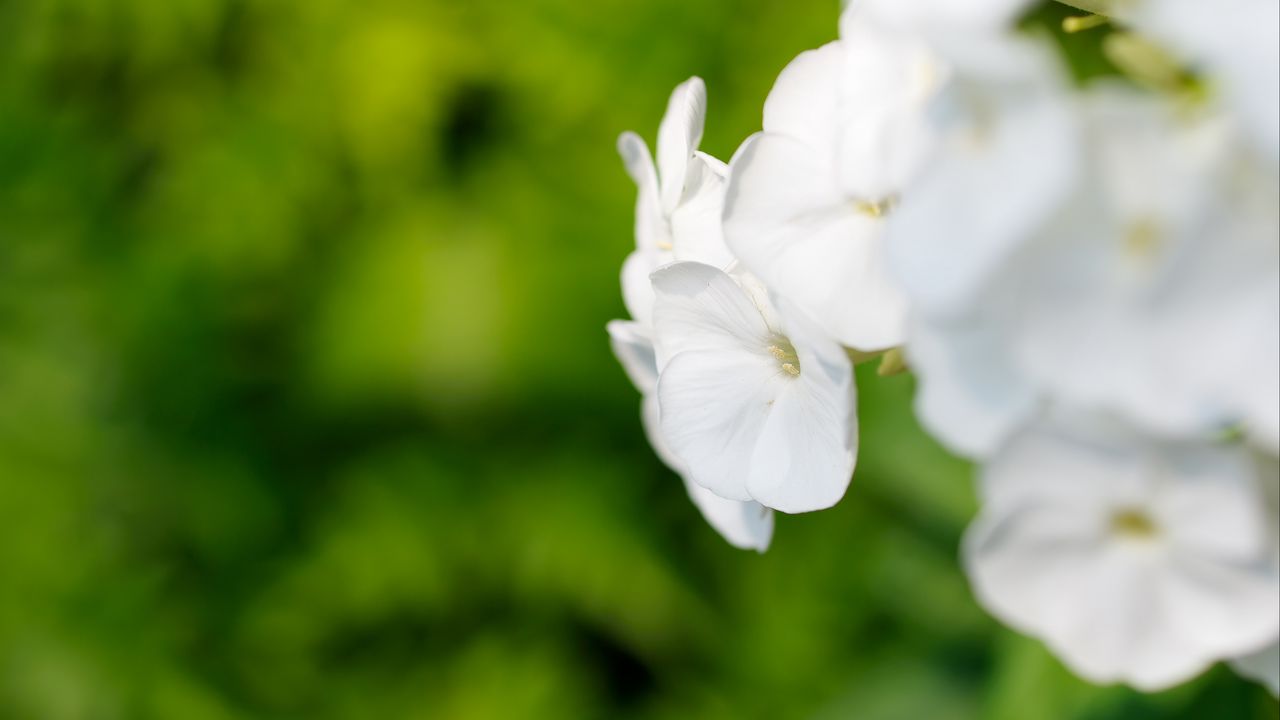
{"type": "Point", "coordinates": [745, 525]}
{"type": "Point", "coordinates": [1235, 43]}
{"type": "Point", "coordinates": [1135, 559]}
{"type": "Point", "coordinates": [1155, 292]}
{"type": "Point", "coordinates": [1006, 157]}
{"type": "Point", "coordinates": [678, 203]}
{"type": "Point", "coordinates": [1152, 290]}
{"type": "Point", "coordinates": [944, 19]}
{"type": "Point", "coordinates": [755, 404]}
{"type": "Point", "coordinates": [970, 396]}
{"type": "Point", "coordinates": [809, 197]}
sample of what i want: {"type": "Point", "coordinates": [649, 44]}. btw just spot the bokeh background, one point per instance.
{"type": "Point", "coordinates": [307, 409]}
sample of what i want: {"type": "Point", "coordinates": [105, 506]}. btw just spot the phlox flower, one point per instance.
{"type": "Point", "coordinates": [678, 207]}
{"type": "Point", "coordinates": [844, 131]}
{"type": "Point", "coordinates": [970, 394]}
{"type": "Point", "coordinates": [756, 404]}
{"type": "Point", "coordinates": [1005, 158]}
{"type": "Point", "coordinates": [1155, 290]}
{"type": "Point", "coordinates": [1151, 288]}
{"type": "Point", "coordinates": [1135, 559]}
{"type": "Point", "coordinates": [678, 202]}
{"type": "Point", "coordinates": [1234, 43]}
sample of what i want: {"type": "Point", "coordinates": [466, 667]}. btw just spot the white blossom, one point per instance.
{"type": "Point", "coordinates": [1151, 290]}
{"type": "Point", "coordinates": [1236, 43]}
{"type": "Point", "coordinates": [808, 198]}
{"type": "Point", "coordinates": [1135, 559]}
{"type": "Point", "coordinates": [745, 525]}
{"type": "Point", "coordinates": [1155, 291]}
{"type": "Point", "coordinates": [1086, 283]}
{"type": "Point", "coordinates": [678, 203]}
{"type": "Point", "coordinates": [941, 20]}
{"type": "Point", "coordinates": [757, 405]}
{"type": "Point", "coordinates": [678, 207]}
{"type": "Point", "coordinates": [970, 395]}
{"type": "Point", "coordinates": [1005, 158]}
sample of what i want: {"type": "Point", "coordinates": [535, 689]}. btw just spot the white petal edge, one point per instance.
{"type": "Point", "coordinates": [679, 135]}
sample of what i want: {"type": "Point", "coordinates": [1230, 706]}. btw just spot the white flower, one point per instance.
{"type": "Point", "coordinates": [942, 19]}
{"type": "Point", "coordinates": [756, 405]}
{"type": "Point", "coordinates": [678, 207]}
{"type": "Point", "coordinates": [745, 525]}
{"type": "Point", "coordinates": [1152, 289]}
{"type": "Point", "coordinates": [1004, 160]}
{"type": "Point", "coordinates": [1155, 292]}
{"type": "Point", "coordinates": [1236, 42]}
{"type": "Point", "coordinates": [808, 198]}
{"type": "Point", "coordinates": [1135, 559]}
{"type": "Point", "coordinates": [678, 204]}
{"type": "Point", "coordinates": [969, 396]}
{"type": "Point", "coordinates": [1006, 157]}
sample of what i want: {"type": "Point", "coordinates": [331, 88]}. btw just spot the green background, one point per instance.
{"type": "Point", "coordinates": [307, 408]}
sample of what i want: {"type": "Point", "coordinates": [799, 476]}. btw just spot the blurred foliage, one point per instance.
{"type": "Point", "coordinates": [307, 410]}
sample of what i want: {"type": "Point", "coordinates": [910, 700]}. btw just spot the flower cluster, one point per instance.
{"type": "Point", "coordinates": [1085, 278]}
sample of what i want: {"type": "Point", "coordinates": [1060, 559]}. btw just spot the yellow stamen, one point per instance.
{"type": "Point", "coordinates": [877, 208]}
{"type": "Point", "coordinates": [1133, 524]}
{"type": "Point", "coordinates": [786, 357]}
{"type": "Point", "coordinates": [1142, 240]}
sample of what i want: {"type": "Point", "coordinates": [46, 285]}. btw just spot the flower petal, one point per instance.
{"type": "Point", "coordinates": [678, 137]}
{"type": "Point", "coordinates": [745, 525]}
{"type": "Point", "coordinates": [634, 349]}
{"type": "Point", "coordinates": [1225, 609]}
{"type": "Point", "coordinates": [651, 227]}
{"type": "Point", "coordinates": [1236, 43]}
{"type": "Point", "coordinates": [807, 450]}
{"type": "Point", "coordinates": [699, 307]}
{"type": "Point", "coordinates": [637, 289]}
{"type": "Point", "coordinates": [1214, 507]}
{"type": "Point", "coordinates": [696, 229]}
{"type": "Point", "coordinates": [714, 404]}
{"type": "Point", "coordinates": [969, 396]}
{"type": "Point", "coordinates": [802, 104]}
{"type": "Point", "coordinates": [943, 18]}
{"type": "Point", "coordinates": [886, 80]}
{"type": "Point", "coordinates": [1151, 609]}
{"type": "Point", "coordinates": [786, 222]}
{"type": "Point", "coordinates": [1006, 158]}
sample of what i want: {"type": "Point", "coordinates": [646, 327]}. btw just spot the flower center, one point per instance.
{"type": "Point", "coordinates": [876, 208]}
{"type": "Point", "coordinates": [785, 353]}
{"type": "Point", "coordinates": [1142, 241]}
{"type": "Point", "coordinates": [1133, 524]}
